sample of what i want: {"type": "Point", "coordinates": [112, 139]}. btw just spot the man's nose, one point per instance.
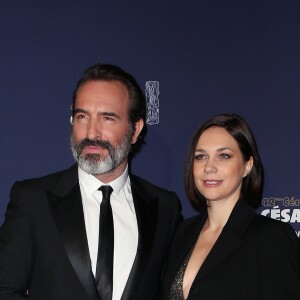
{"type": "Point", "coordinates": [93, 129]}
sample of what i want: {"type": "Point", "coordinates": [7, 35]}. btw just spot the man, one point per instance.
{"type": "Point", "coordinates": [49, 239]}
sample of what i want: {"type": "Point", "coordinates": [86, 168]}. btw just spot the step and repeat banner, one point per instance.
{"type": "Point", "coordinates": [193, 59]}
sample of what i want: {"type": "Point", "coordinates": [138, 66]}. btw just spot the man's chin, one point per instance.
{"type": "Point", "coordinates": [95, 150]}
{"type": "Point", "coordinates": [93, 168]}
{"type": "Point", "coordinates": [95, 164]}
{"type": "Point", "coordinates": [93, 157]}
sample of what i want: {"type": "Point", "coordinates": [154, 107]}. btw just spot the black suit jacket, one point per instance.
{"type": "Point", "coordinates": [254, 258]}
{"type": "Point", "coordinates": [43, 243]}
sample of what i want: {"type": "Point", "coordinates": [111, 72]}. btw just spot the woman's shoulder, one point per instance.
{"type": "Point", "coordinates": [269, 223]}
{"type": "Point", "coordinates": [268, 228]}
{"type": "Point", "coordinates": [190, 227]}
{"type": "Point", "coordinates": [194, 220]}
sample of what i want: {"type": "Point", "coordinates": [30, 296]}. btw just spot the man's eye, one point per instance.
{"type": "Point", "coordinates": [80, 116]}
{"type": "Point", "coordinates": [108, 118]}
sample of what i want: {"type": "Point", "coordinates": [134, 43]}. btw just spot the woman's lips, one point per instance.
{"type": "Point", "coordinates": [211, 183]}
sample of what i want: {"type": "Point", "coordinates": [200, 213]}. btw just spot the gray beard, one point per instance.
{"type": "Point", "coordinates": [95, 164]}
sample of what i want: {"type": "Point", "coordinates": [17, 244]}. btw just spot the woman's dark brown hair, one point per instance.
{"type": "Point", "coordinates": [252, 184]}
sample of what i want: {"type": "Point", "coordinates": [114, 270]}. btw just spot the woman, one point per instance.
{"type": "Point", "coordinates": [228, 251]}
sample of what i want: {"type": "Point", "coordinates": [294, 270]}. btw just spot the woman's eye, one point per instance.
{"type": "Point", "coordinates": [225, 156]}
{"type": "Point", "coordinates": [200, 156]}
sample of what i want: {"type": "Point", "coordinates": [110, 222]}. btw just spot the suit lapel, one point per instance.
{"type": "Point", "coordinates": [68, 216]}
{"type": "Point", "coordinates": [146, 213]}
{"type": "Point", "coordinates": [224, 246]}
{"type": "Point", "coordinates": [229, 240]}
{"type": "Point", "coordinates": [184, 240]}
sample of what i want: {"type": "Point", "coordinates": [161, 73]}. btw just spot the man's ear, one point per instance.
{"type": "Point", "coordinates": [138, 126]}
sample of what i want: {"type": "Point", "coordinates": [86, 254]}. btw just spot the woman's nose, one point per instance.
{"type": "Point", "coordinates": [210, 166]}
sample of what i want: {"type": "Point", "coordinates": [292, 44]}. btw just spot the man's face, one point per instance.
{"type": "Point", "coordinates": [102, 135]}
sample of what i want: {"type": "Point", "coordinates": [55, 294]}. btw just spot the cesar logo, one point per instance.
{"type": "Point", "coordinates": [285, 215]}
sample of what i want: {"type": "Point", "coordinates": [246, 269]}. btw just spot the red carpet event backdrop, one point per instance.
{"type": "Point", "coordinates": [194, 59]}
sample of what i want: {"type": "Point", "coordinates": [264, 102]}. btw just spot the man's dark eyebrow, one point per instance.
{"type": "Point", "coordinates": [79, 110]}
{"type": "Point", "coordinates": [109, 114]}
{"type": "Point", "coordinates": [105, 113]}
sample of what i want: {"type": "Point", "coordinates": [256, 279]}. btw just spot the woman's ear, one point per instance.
{"type": "Point", "coordinates": [249, 165]}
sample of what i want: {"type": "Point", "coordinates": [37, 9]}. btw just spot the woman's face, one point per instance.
{"type": "Point", "coordinates": [219, 166]}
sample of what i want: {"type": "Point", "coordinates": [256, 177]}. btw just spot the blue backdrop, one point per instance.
{"type": "Point", "coordinates": [209, 57]}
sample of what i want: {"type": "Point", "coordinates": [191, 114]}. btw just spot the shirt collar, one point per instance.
{"type": "Point", "coordinates": [91, 184]}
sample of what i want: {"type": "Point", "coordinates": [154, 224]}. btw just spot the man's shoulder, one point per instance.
{"type": "Point", "coordinates": [48, 180]}
{"type": "Point", "coordinates": [167, 201]}
{"type": "Point", "coordinates": [137, 181]}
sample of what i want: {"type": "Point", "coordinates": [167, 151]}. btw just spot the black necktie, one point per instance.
{"type": "Point", "coordinates": [104, 270]}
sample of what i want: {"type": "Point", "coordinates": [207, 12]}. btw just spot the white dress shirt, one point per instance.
{"type": "Point", "coordinates": [125, 224]}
